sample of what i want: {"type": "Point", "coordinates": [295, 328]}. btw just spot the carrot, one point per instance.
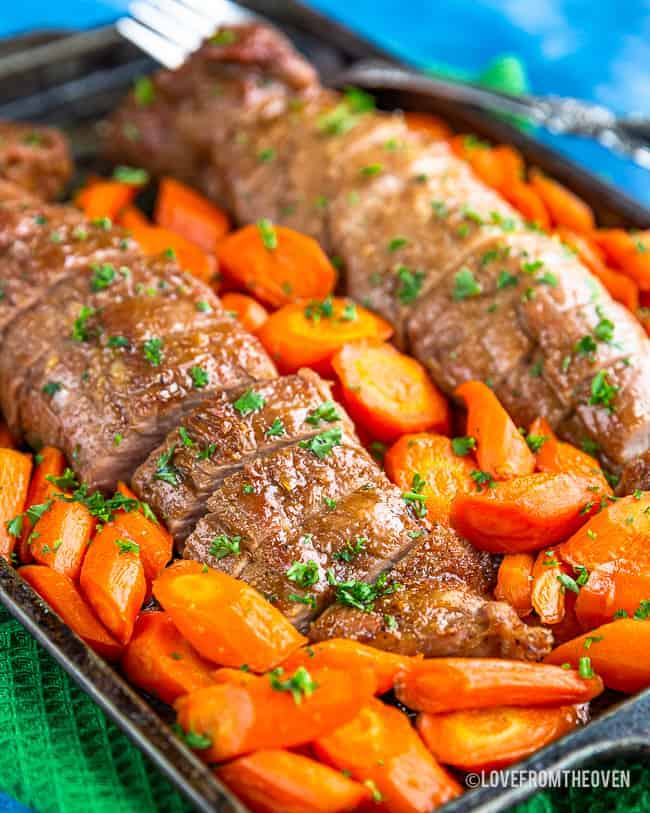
{"type": "Point", "coordinates": [452, 684]}
{"type": "Point", "coordinates": [380, 747]}
{"type": "Point", "coordinates": [387, 392]}
{"type": "Point", "coordinates": [105, 198]}
{"type": "Point", "coordinates": [159, 660]}
{"type": "Point", "coordinates": [616, 652]}
{"type": "Point", "coordinates": [6, 438]}
{"type": "Point", "coordinates": [488, 739]}
{"type": "Point", "coordinates": [155, 240]}
{"type": "Point", "coordinates": [248, 311]}
{"type": "Point", "coordinates": [465, 144]}
{"type": "Point", "coordinates": [487, 165]}
{"type": "Point", "coordinates": [50, 463]}
{"type": "Point", "coordinates": [112, 579]}
{"type": "Point", "coordinates": [547, 595]}
{"type": "Point", "coordinates": [524, 514]}
{"type": "Point", "coordinates": [629, 252]}
{"type": "Point", "coordinates": [133, 218]}
{"type": "Point", "coordinates": [513, 168]}
{"type": "Point", "coordinates": [527, 200]}
{"type": "Point", "coordinates": [302, 335]}
{"type": "Point", "coordinates": [183, 211]}
{"type": "Point", "coordinates": [620, 531]}
{"type": "Point", "coordinates": [278, 781]}
{"type": "Point", "coordinates": [614, 587]}
{"type": "Point", "coordinates": [223, 618]}
{"type": "Point", "coordinates": [434, 126]}
{"type": "Point", "coordinates": [276, 264]}
{"type": "Point", "coordinates": [15, 470]}
{"type": "Point", "coordinates": [61, 535]}
{"type": "Point", "coordinates": [501, 450]}
{"type": "Point", "coordinates": [278, 710]}
{"type": "Point", "coordinates": [227, 674]}
{"type": "Point", "coordinates": [515, 582]}
{"type": "Point", "coordinates": [63, 597]}
{"type": "Point", "coordinates": [155, 542]}
{"type": "Point", "coordinates": [564, 206]}
{"type": "Point", "coordinates": [342, 653]}
{"type": "Point", "coordinates": [430, 461]}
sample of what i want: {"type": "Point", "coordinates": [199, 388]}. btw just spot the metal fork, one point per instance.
{"type": "Point", "coordinates": [170, 30]}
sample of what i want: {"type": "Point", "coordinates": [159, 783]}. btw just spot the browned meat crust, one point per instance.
{"type": "Point", "coordinates": [36, 159]}
{"type": "Point", "coordinates": [636, 475]}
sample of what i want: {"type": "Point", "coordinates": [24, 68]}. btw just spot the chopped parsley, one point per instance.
{"type": "Point", "coordinates": [185, 438]}
{"type": "Point", "coordinates": [117, 341]}
{"type": "Point", "coordinates": [604, 330]}
{"type": "Point", "coordinates": [483, 479]}
{"type": "Point", "coordinates": [225, 37]}
{"type": "Point", "coordinates": [329, 503]}
{"type": "Point", "coordinates": [602, 392]}
{"type": "Point", "coordinates": [303, 574]}
{"type": "Point", "coordinates": [415, 498]}
{"type": "Point", "coordinates": [127, 546]}
{"type": "Point", "coordinates": [153, 352]}
{"type": "Point", "coordinates": [326, 412]}
{"type": "Point", "coordinates": [465, 285]}
{"type": "Point", "coordinates": [102, 276]}
{"type": "Point", "coordinates": [249, 402]}
{"type": "Point", "coordinates": [535, 442]}
{"type": "Point", "coordinates": [568, 583]}
{"type": "Point", "coordinates": [266, 155]}
{"type": "Point", "coordinates": [207, 452]}
{"type": "Point", "coordinates": [300, 684]}
{"type": "Point", "coordinates": [363, 595]}
{"type": "Point", "coordinates": [321, 445]}
{"type": "Point", "coordinates": [585, 669]}
{"type": "Point", "coordinates": [199, 377]}
{"type": "Point", "coordinates": [15, 526]}
{"type": "Point", "coordinates": [351, 549]}
{"type": "Point", "coordinates": [506, 280]}
{"type": "Point", "coordinates": [347, 113]}
{"type": "Point", "coordinates": [144, 91]}
{"type": "Point", "coordinates": [371, 169]}
{"type": "Point", "coordinates": [642, 613]}
{"type": "Point", "coordinates": [203, 307]}
{"type": "Point", "coordinates": [276, 429]}
{"type": "Point", "coordinates": [131, 175]}
{"type": "Point", "coordinates": [585, 346]}
{"type": "Point", "coordinates": [410, 284]}
{"type": "Point", "coordinates": [80, 330]}
{"type": "Point", "coordinates": [315, 310]}
{"type": "Point", "coordinates": [462, 446]}
{"type": "Point", "coordinates": [165, 470]}
{"type": "Point", "coordinates": [51, 388]}
{"type": "Point", "coordinates": [267, 233]}
{"type": "Point", "coordinates": [192, 739]}
{"type": "Point", "coordinates": [222, 546]}
{"type": "Point", "coordinates": [397, 243]}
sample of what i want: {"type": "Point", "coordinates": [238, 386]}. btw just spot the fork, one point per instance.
{"type": "Point", "coordinates": [170, 30]}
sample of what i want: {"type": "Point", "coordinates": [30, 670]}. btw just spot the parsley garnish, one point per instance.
{"type": "Point", "coordinates": [351, 549]}
{"type": "Point", "coordinates": [276, 429]}
{"type": "Point", "coordinates": [535, 442]}
{"type": "Point", "coordinates": [199, 377]}
{"type": "Point", "coordinates": [80, 332]}
{"type": "Point", "coordinates": [222, 546]}
{"type": "Point", "coordinates": [152, 349]}
{"type": "Point", "coordinates": [67, 480]}
{"type": "Point", "coordinates": [144, 91]}
{"type": "Point", "coordinates": [102, 276]}
{"type": "Point", "coordinates": [165, 471]}
{"type": "Point", "coordinates": [192, 739]}
{"type": "Point", "coordinates": [127, 546]}
{"type": "Point", "coordinates": [325, 412]}
{"type": "Point", "coordinates": [131, 175]}
{"type": "Point", "coordinates": [363, 595]}
{"type": "Point", "coordinates": [604, 330]}
{"type": "Point", "coordinates": [371, 169]}
{"type": "Point", "coordinates": [203, 307]}
{"type": "Point", "coordinates": [482, 479]}
{"type": "Point", "coordinates": [117, 341]}
{"type": "Point", "coordinates": [410, 284]}
{"type": "Point", "coordinates": [465, 285]}
{"type": "Point", "coordinates": [300, 684]}
{"type": "Point", "coordinates": [584, 668]}
{"type": "Point", "coordinates": [321, 445]}
{"type": "Point", "coordinates": [248, 403]}
{"type": "Point", "coordinates": [315, 310]}
{"type": "Point", "coordinates": [506, 280]}
{"type": "Point", "coordinates": [415, 498]}
{"type": "Point", "coordinates": [347, 113]}
{"type": "Point", "coordinates": [225, 37]}
{"type": "Point", "coordinates": [52, 387]}
{"type": "Point", "coordinates": [303, 574]}
{"type": "Point", "coordinates": [207, 452]}
{"type": "Point", "coordinates": [463, 446]}
{"type": "Point", "coordinates": [15, 526]}
{"type": "Point", "coordinates": [602, 392]}
{"type": "Point", "coordinates": [185, 438]}
{"type": "Point", "coordinates": [397, 243]}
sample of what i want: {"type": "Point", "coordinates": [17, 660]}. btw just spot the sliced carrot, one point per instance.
{"type": "Point", "coordinates": [63, 597]}
{"type": "Point", "coordinates": [133, 218]}
{"type": "Point", "coordinates": [309, 335]}
{"type": "Point", "coordinates": [112, 579]}
{"type": "Point", "coordinates": [277, 710]}
{"type": "Point", "coordinates": [154, 240]}
{"type": "Point", "coordinates": [159, 660]}
{"type": "Point", "coordinates": [6, 438]}
{"type": "Point", "coordinates": [228, 674]}
{"type": "Point", "coordinates": [380, 747]}
{"type": "Point", "coordinates": [248, 311]}
{"type": "Point", "coordinates": [465, 144]}
{"type": "Point", "coordinates": [485, 163]}
{"type": "Point", "coordinates": [526, 199]}
{"type": "Point", "coordinates": [513, 168]}
{"type": "Point", "coordinates": [451, 684]}
{"type": "Point", "coordinates": [387, 392]}
{"type": "Point", "coordinates": [430, 461]}
{"type": "Point", "coordinates": [515, 582]}
{"type": "Point", "coordinates": [524, 514]}
{"type": "Point", "coordinates": [276, 264]}
{"type": "Point", "coordinates": [488, 739]}
{"type": "Point", "coordinates": [547, 595]}
{"type": "Point", "coordinates": [51, 463]}
{"type": "Point", "coordinates": [614, 587]}
{"type": "Point", "coordinates": [616, 652]}
{"type": "Point", "coordinates": [628, 251]}
{"type": "Point", "coordinates": [434, 126]}
{"type": "Point", "coordinates": [501, 450]}
{"type": "Point", "coordinates": [61, 535]}
{"type": "Point", "coordinates": [102, 198]}
{"type": "Point", "coordinates": [223, 618]}
{"type": "Point", "coordinates": [587, 249]}
{"type": "Point", "coordinates": [182, 210]}
{"type": "Point", "coordinates": [15, 470]}
{"type": "Point", "coordinates": [564, 206]}
{"type": "Point", "coordinates": [278, 781]}
{"type": "Point", "coordinates": [155, 542]}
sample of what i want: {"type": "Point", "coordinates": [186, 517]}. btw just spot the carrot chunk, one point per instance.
{"type": "Point", "coordinates": [184, 211]}
{"type": "Point", "coordinates": [248, 311]}
{"type": "Point", "coordinates": [133, 218]}
{"type": "Point", "coordinates": [223, 618]}
{"type": "Point", "coordinates": [105, 198]}
{"type": "Point", "coordinates": [565, 207]}
{"type": "Point", "coordinates": [154, 240]}
{"type": "Point", "coordinates": [15, 470]}
{"type": "Point", "coordinates": [629, 252]}
{"type": "Point", "coordinates": [155, 542]}
{"type": "Point", "coordinates": [51, 464]}
{"type": "Point", "coordinates": [614, 587]}
{"type": "Point", "coordinates": [515, 582]}
{"type": "Point", "coordinates": [61, 535]}
{"type": "Point", "coordinates": [528, 202]}
{"type": "Point", "coordinates": [513, 168]}
{"type": "Point", "coordinates": [427, 123]}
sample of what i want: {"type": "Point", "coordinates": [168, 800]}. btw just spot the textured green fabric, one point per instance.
{"type": "Point", "coordinates": [59, 753]}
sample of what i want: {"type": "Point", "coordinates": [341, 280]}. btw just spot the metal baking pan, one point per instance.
{"type": "Point", "coordinates": [73, 80]}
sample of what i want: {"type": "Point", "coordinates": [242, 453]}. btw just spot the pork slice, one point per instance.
{"type": "Point", "coordinates": [34, 158]}
{"type": "Point", "coordinates": [217, 439]}
{"type": "Point", "coordinates": [526, 394]}
{"type": "Point", "coordinates": [636, 475]}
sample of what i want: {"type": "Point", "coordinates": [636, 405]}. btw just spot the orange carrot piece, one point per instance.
{"type": "Point", "coordinates": [6, 438]}
{"type": "Point", "coordinates": [527, 200]}
{"type": "Point", "coordinates": [547, 595]}
{"type": "Point", "coordinates": [524, 514]}
{"type": "Point", "coordinates": [434, 126]}
{"type": "Point", "coordinates": [309, 335]}
{"type": "Point", "coordinates": [616, 653]}
{"type": "Point", "coordinates": [588, 251]}
{"type": "Point", "coordinates": [387, 392]}
{"type": "Point", "coordinates": [564, 206]}
{"type": "Point", "coordinates": [488, 739]}
{"type": "Point", "coordinates": [277, 710]}
{"type": "Point", "coordinates": [112, 579]}
{"type": "Point", "coordinates": [63, 597]}
{"type": "Point", "coordinates": [15, 470]}
{"type": "Point", "coordinates": [629, 252]}
{"type": "Point", "coordinates": [228, 674]}
{"type": "Point", "coordinates": [184, 211]}
{"type": "Point", "coordinates": [452, 684]}
{"type": "Point", "coordinates": [278, 781]}
{"type": "Point", "coordinates": [512, 164]}
{"type": "Point", "coordinates": [102, 198]}
{"type": "Point", "coordinates": [223, 618]}
{"type": "Point", "coordinates": [61, 535]}
{"type": "Point", "coordinates": [276, 264]}
{"type": "Point", "coordinates": [133, 218]}
{"type": "Point", "coordinates": [154, 240]}
{"type": "Point", "coordinates": [159, 660]}
{"type": "Point", "coordinates": [430, 458]}
{"type": "Point", "coordinates": [155, 542]}
{"type": "Point", "coordinates": [613, 587]}
{"type": "Point", "coordinates": [51, 464]}
{"type": "Point", "coordinates": [380, 747]}
{"type": "Point", "coordinates": [248, 311]}
{"type": "Point", "coordinates": [515, 582]}
{"type": "Point", "coordinates": [501, 450]}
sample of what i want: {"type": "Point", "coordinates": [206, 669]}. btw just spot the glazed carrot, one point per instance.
{"type": "Point", "coordinates": [155, 240]}
{"type": "Point", "coordinates": [619, 531]}
{"type": "Point", "coordinates": [15, 470]}
{"type": "Point", "coordinates": [616, 652]}
{"type": "Point", "coordinates": [565, 207]}
{"type": "Point", "coordinates": [481, 157]}
{"type": "Point", "coordinates": [276, 264]}
{"type": "Point", "coordinates": [488, 739]}
{"type": "Point", "coordinates": [380, 747]}
{"type": "Point", "coordinates": [61, 535]}
{"type": "Point", "coordinates": [155, 542]}
{"type": "Point", "coordinates": [434, 126]}
{"type": "Point", "coordinates": [309, 335]}
{"type": "Point", "coordinates": [430, 461]}
{"type": "Point", "coordinates": [6, 438]}
{"type": "Point", "coordinates": [182, 210]}
{"type": "Point", "coordinates": [133, 218]}
{"type": "Point", "coordinates": [389, 393]}
{"type": "Point", "coordinates": [112, 579]}
{"type": "Point", "coordinates": [628, 251]}
{"type": "Point", "coordinates": [102, 198]}
{"type": "Point", "coordinates": [228, 674]}
{"type": "Point", "coordinates": [159, 660]}
{"type": "Point", "coordinates": [51, 463]}
{"type": "Point", "coordinates": [584, 246]}
{"type": "Point", "coordinates": [452, 684]}
{"type": "Point", "coordinates": [547, 595]}
{"type": "Point", "coordinates": [524, 514]}
{"type": "Point", "coordinates": [528, 202]}
{"type": "Point", "coordinates": [342, 653]}
{"type": "Point", "coordinates": [513, 168]}
{"type": "Point", "coordinates": [63, 597]}
{"type": "Point", "coordinates": [278, 781]}
{"type": "Point", "coordinates": [501, 450]}
{"type": "Point", "coordinates": [278, 710]}
{"type": "Point", "coordinates": [248, 311]}
{"type": "Point", "coordinates": [515, 582]}
{"type": "Point", "coordinates": [614, 587]}
{"type": "Point", "coordinates": [223, 618]}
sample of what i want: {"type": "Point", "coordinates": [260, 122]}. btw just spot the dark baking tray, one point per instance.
{"type": "Point", "coordinates": [73, 80]}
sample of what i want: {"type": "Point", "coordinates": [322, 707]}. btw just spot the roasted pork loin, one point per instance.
{"type": "Point", "coordinates": [35, 159]}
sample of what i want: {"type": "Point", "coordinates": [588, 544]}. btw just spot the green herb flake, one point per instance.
{"type": "Point", "coordinates": [276, 429]}
{"type": "Point", "coordinates": [351, 550]}
{"type": "Point", "coordinates": [602, 392]}
{"type": "Point", "coordinates": [303, 574]}
{"type": "Point", "coordinates": [248, 403]}
{"type": "Point", "coordinates": [200, 377]}
{"type": "Point", "coordinates": [410, 284]}
{"type": "Point", "coordinates": [127, 546]}
{"type": "Point", "coordinates": [462, 446]}
{"type": "Point", "coordinates": [165, 470]}
{"type": "Point", "coordinates": [300, 684]}
{"type": "Point", "coordinates": [483, 479]}
{"type": "Point", "coordinates": [153, 352]}
{"type": "Point", "coordinates": [267, 233]}
{"type": "Point", "coordinates": [223, 545]}
{"type": "Point", "coordinates": [51, 388]}
{"type": "Point", "coordinates": [414, 497]}
{"type": "Point", "coordinates": [465, 285]}
{"type": "Point", "coordinates": [144, 91]}
{"type": "Point", "coordinates": [131, 175]}
{"type": "Point", "coordinates": [321, 445]}
{"type": "Point", "coordinates": [325, 412]}
{"type": "Point", "coordinates": [80, 330]}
